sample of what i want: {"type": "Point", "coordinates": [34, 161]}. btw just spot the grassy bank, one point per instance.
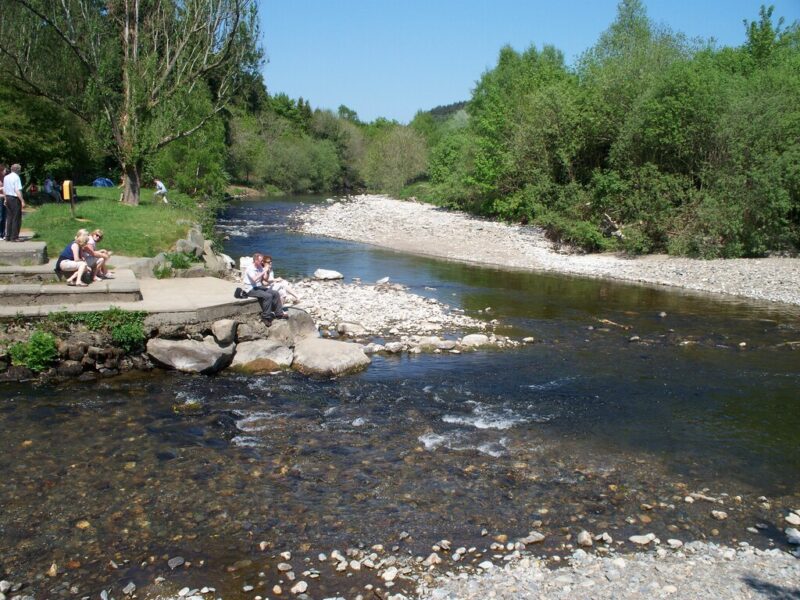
{"type": "Point", "coordinates": [143, 230]}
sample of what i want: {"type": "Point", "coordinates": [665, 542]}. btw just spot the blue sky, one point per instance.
{"type": "Point", "coordinates": [390, 58]}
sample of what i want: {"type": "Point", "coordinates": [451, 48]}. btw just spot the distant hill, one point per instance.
{"type": "Point", "coordinates": [442, 113]}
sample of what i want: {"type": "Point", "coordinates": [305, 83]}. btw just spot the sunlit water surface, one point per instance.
{"type": "Point", "coordinates": [583, 429]}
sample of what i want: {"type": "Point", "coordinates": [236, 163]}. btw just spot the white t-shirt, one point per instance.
{"type": "Point", "coordinates": [11, 184]}
{"type": "Point", "coordinates": [252, 277]}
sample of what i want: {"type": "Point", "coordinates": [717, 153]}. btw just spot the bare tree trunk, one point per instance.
{"type": "Point", "coordinates": [130, 194]}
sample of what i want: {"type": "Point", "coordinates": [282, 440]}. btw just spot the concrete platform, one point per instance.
{"type": "Point", "coordinates": [169, 301]}
{"type": "Point", "coordinates": [26, 253]}
{"type": "Point", "coordinates": [20, 296]}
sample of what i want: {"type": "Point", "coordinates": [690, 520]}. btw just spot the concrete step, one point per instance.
{"type": "Point", "coordinates": [46, 291]}
{"type": "Point", "coordinates": [25, 253]}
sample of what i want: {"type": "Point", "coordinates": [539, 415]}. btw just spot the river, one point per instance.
{"type": "Point", "coordinates": [584, 429]}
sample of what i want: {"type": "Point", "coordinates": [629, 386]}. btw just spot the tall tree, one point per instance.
{"type": "Point", "coordinates": [131, 68]}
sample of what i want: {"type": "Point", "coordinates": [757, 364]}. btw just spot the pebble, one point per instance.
{"type": "Point", "coordinates": [792, 519]}
{"type": "Point", "coordinates": [642, 540]}
{"type": "Point", "coordinates": [129, 589]}
{"type": "Point", "coordinates": [299, 588]}
{"type": "Point", "coordinates": [585, 539]}
{"type": "Point", "coordinates": [175, 562]}
{"type": "Point", "coordinates": [719, 515]}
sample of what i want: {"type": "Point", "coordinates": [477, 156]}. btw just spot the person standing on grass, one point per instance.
{"type": "Point", "coordinates": [2, 205]}
{"type": "Point", "coordinates": [15, 203]}
{"type": "Point", "coordinates": [161, 190]}
{"type": "Point", "coordinates": [255, 286]}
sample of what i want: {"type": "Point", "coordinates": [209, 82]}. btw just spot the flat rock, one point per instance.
{"type": "Point", "coordinates": [191, 356]}
{"type": "Point", "coordinates": [261, 355]}
{"type": "Point", "coordinates": [475, 339]}
{"type": "Point", "coordinates": [642, 540]}
{"type": "Point", "coordinates": [352, 329]}
{"type": "Point", "coordinates": [328, 358]}
{"type": "Point", "coordinates": [327, 274]}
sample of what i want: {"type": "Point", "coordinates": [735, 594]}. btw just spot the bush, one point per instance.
{"type": "Point", "coordinates": [126, 328]}
{"type": "Point", "coordinates": [38, 353]}
{"type": "Point", "coordinates": [128, 336]}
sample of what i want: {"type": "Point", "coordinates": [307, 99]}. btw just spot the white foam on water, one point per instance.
{"type": "Point", "coordinates": [359, 422]}
{"type": "Point", "coordinates": [550, 385]}
{"type": "Point", "coordinates": [256, 421]}
{"type": "Point", "coordinates": [485, 417]}
{"type": "Point", "coordinates": [432, 441]}
{"type": "Point", "coordinates": [494, 449]}
{"type": "Point", "coordinates": [246, 441]}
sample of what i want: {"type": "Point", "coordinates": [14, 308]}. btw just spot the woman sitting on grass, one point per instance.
{"type": "Point", "coordinates": [71, 259]}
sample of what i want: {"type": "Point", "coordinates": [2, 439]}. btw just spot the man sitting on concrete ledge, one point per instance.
{"type": "Point", "coordinates": [255, 284]}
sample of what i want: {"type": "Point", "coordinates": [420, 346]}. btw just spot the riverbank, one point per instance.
{"type": "Point", "coordinates": [699, 570]}
{"type": "Point", "coordinates": [423, 229]}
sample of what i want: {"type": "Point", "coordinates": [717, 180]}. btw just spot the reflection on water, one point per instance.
{"type": "Point", "coordinates": [579, 430]}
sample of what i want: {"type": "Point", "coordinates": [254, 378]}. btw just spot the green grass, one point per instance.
{"type": "Point", "coordinates": [143, 230]}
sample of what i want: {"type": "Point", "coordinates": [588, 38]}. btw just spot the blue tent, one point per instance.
{"type": "Point", "coordinates": [103, 182]}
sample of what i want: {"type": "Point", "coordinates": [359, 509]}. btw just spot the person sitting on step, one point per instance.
{"type": "Point", "coordinates": [279, 284]}
{"type": "Point", "coordinates": [254, 283]}
{"type": "Point", "coordinates": [71, 260]}
{"type": "Point", "coordinates": [100, 256]}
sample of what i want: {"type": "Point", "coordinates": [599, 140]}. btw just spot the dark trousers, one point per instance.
{"type": "Point", "coordinates": [13, 217]}
{"type": "Point", "coordinates": [270, 301]}
{"type": "Point", "coordinates": [2, 217]}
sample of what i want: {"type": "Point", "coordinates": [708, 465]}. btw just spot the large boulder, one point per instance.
{"type": "Point", "coordinates": [289, 331]}
{"type": "Point", "coordinates": [261, 355]}
{"type": "Point", "coordinates": [351, 329]}
{"type": "Point", "coordinates": [188, 247]}
{"type": "Point", "coordinates": [474, 340]}
{"type": "Point", "coordinates": [328, 358]}
{"type": "Point", "coordinates": [327, 274]}
{"type": "Point", "coordinates": [224, 331]}
{"type": "Point", "coordinates": [191, 356]}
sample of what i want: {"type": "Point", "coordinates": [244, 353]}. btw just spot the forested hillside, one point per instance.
{"type": "Point", "coordinates": [652, 142]}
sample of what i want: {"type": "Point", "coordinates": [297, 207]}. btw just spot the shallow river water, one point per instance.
{"type": "Point", "coordinates": [583, 429]}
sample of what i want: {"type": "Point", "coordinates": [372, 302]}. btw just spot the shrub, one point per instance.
{"type": "Point", "coordinates": [126, 328]}
{"type": "Point", "coordinates": [37, 353]}
{"type": "Point", "coordinates": [128, 336]}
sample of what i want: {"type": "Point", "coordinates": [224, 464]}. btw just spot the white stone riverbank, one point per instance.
{"type": "Point", "coordinates": [424, 229]}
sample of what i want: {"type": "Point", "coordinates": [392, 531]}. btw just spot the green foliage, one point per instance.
{"type": "Point", "coordinates": [37, 354]}
{"type": "Point", "coordinates": [125, 327]}
{"type": "Point", "coordinates": [128, 336]}
{"type": "Point", "coordinates": [180, 260]}
{"type": "Point", "coordinates": [43, 138]}
{"type": "Point", "coordinates": [194, 165]}
{"type": "Point", "coordinates": [396, 156]}
{"type": "Point", "coordinates": [163, 271]}
{"type": "Point", "coordinates": [138, 94]}
{"type": "Point", "coordinates": [677, 146]}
